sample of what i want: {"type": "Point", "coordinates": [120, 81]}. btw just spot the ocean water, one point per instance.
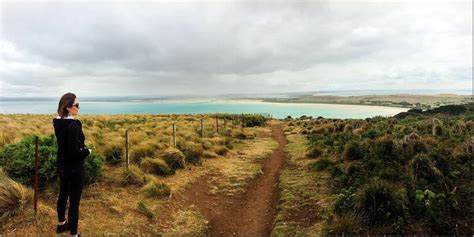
{"type": "Point", "coordinates": [277, 110]}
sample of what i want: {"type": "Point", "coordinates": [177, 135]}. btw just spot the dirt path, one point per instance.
{"type": "Point", "coordinates": [247, 214]}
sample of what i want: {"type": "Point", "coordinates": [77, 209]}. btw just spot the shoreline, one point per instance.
{"type": "Point", "coordinates": [336, 103]}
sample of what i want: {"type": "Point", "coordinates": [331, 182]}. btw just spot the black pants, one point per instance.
{"type": "Point", "coordinates": [70, 185]}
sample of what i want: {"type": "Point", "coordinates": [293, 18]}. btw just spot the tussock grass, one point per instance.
{"type": "Point", "coordinates": [156, 166]}
{"type": "Point", "coordinates": [145, 210]}
{"type": "Point", "coordinates": [174, 158]}
{"type": "Point", "coordinates": [209, 154]}
{"type": "Point", "coordinates": [157, 190]}
{"type": "Point", "coordinates": [133, 175]}
{"type": "Point", "coordinates": [347, 223]}
{"type": "Point", "coordinates": [192, 151]}
{"type": "Point", "coordinates": [13, 196]}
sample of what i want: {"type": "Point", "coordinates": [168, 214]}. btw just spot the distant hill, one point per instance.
{"type": "Point", "coordinates": [468, 109]}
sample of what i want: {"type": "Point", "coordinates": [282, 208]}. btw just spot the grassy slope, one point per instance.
{"type": "Point", "coordinates": [110, 207]}
{"type": "Point", "coordinates": [301, 187]}
{"type": "Point", "coordinates": [303, 204]}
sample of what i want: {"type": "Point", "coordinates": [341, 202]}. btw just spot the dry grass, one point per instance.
{"type": "Point", "coordinates": [111, 206]}
{"type": "Point", "coordinates": [14, 197]}
{"type": "Point", "coordinates": [240, 166]}
{"type": "Point", "coordinates": [189, 222]}
{"type": "Point", "coordinates": [302, 192]}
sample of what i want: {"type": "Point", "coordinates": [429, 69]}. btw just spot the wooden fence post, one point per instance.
{"type": "Point", "coordinates": [36, 176]}
{"type": "Point", "coordinates": [201, 128]}
{"type": "Point", "coordinates": [127, 160]}
{"type": "Point", "coordinates": [174, 135]}
{"type": "Point", "coordinates": [217, 124]}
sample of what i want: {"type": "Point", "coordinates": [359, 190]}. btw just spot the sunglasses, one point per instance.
{"type": "Point", "coordinates": [76, 105]}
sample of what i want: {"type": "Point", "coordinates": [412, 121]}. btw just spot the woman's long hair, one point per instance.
{"type": "Point", "coordinates": [66, 101]}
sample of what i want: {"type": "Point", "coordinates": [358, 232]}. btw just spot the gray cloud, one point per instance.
{"type": "Point", "coordinates": [232, 47]}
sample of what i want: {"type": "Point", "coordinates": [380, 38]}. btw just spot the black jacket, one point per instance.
{"type": "Point", "coordinates": [71, 147]}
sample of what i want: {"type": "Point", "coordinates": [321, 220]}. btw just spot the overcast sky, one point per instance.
{"type": "Point", "coordinates": [163, 48]}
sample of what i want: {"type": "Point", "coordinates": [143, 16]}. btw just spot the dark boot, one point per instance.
{"type": "Point", "coordinates": [62, 228]}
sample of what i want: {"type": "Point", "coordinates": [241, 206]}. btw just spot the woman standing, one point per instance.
{"type": "Point", "coordinates": [70, 162]}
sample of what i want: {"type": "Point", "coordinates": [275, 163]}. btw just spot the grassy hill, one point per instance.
{"type": "Point", "coordinates": [407, 174]}
{"type": "Point", "coordinates": [133, 200]}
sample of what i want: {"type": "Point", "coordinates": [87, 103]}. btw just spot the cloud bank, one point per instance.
{"type": "Point", "coordinates": [202, 48]}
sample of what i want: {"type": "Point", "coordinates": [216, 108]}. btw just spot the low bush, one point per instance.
{"type": "Point", "coordinates": [314, 152]}
{"type": "Point", "coordinates": [384, 148]}
{"type": "Point", "coordinates": [133, 175]}
{"type": "Point", "coordinates": [379, 202]}
{"type": "Point", "coordinates": [353, 151]}
{"type": "Point", "coordinates": [321, 164]}
{"type": "Point", "coordinates": [157, 190]}
{"type": "Point", "coordinates": [221, 150]}
{"type": "Point", "coordinates": [174, 158]}
{"type": "Point", "coordinates": [347, 223]}
{"type": "Point", "coordinates": [141, 151]}
{"type": "Point", "coordinates": [252, 120]}
{"type": "Point", "coordinates": [240, 135]}
{"type": "Point", "coordinates": [156, 166]}
{"type": "Point", "coordinates": [113, 154]}
{"type": "Point", "coordinates": [192, 152]}
{"type": "Point", "coordinates": [422, 167]}
{"type": "Point", "coordinates": [18, 161]}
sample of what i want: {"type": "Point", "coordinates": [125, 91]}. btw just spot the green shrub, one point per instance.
{"type": "Point", "coordinates": [344, 201]}
{"type": "Point", "coordinates": [371, 134]}
{"type": "Point", "coordinates": [384, 148]}
{"type": "Point", "coordinates": [353, 151]}
{"type": "Point", "coordinates": [423, 168]}
{"type": "Point", "coordinates": [379, 202]}
{"type": "Point", "coordinates": [114, 154]}
{"type": "Point", "coordinates": [434, 209]}
{"type": "Point", "coordinates": [252, 120]}
{"type": "Point", "coordinates": [157, 190]}
{"type": "Point", "coordinates": [18, 161]}
{"type": "Point", "coordinates": [411, 145]}
{"type": "Point", "coordinates": [314, 152]}
{"type": "Point", "coordinates": [93, 167]}
{"type": "Point", "coordinates": [347, 223]}
{"type": "Point", "coordinates": [321, 164]}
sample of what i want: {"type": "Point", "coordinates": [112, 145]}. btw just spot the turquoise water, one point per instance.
{"type": "Point", "coordinates": [277, 110]}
